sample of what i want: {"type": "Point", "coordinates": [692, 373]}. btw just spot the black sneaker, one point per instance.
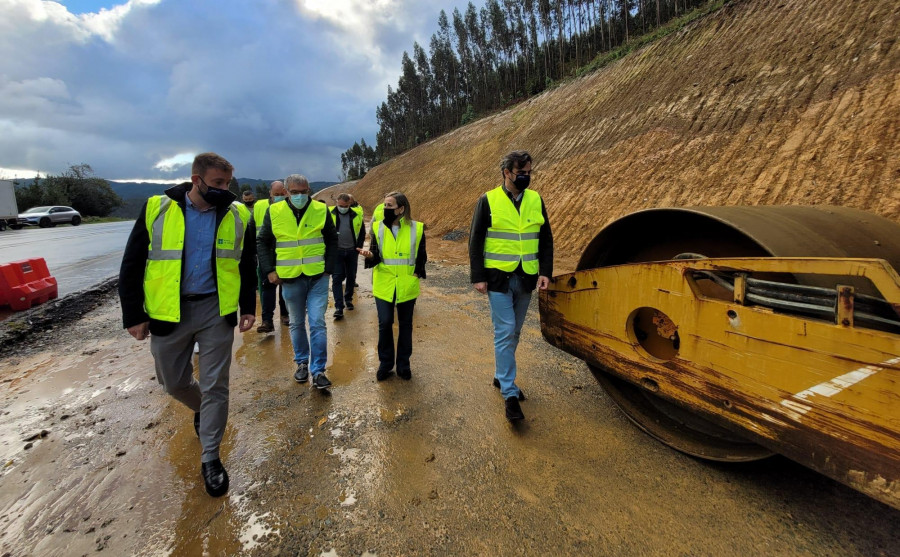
{"type": "Point", "coordinates": [383, 374]}
{"type": "Point", "coordinates": [404, 374]}
{"type": "Point", "coordinates": [513, 410]}
{"type": "Point", "coordinates": [338, 314]}
{"type": "Point", "coordinates": [350, 306]}
{"type": "Point", "coordinates": [321, 382]}
{"type": "Point", "coordinates": [302, 373]}
{"type": "Point", "coordinates": [521, 394]}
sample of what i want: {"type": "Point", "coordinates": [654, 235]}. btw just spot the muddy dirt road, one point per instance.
{"type": "Point", "coordinates": [95, 457]}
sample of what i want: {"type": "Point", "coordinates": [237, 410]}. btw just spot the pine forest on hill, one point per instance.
{"type": "Point", "coordinates": [757, 103]}
{"type": "Point", "coordinates": [482, 60]}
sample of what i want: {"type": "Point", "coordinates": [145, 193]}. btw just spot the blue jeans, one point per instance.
{"type": "Point", "coordinates": [508, 311]}
{"type": "Point", "coordinates": [307, 298]}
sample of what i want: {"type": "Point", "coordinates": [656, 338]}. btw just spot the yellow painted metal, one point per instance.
{"type": "Point", "coordinates": [826, 395]}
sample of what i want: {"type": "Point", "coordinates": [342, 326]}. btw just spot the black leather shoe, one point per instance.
{"type": "Point", "coordinates": [383, 374]}
{"type": "Point", "coordinates": [338, 314]}
{"type": "Point", "coordinates": [215, 477]}
{"type": "Point", "coordinates": [349, 306]}
{"type": "Point", "coordinates": [513, 410]}
{"type": "Point", "coordinates": [521, 394]}
{"type": "Point", "coordinates": [197, 423]}
{"type": "Point", "coordinates": [404, 374]}
{"type": "Point", "coordinates": [321, 382]}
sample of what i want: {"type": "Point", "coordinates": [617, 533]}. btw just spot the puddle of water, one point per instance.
{"type": "Point", "coordinates": [255, 529]}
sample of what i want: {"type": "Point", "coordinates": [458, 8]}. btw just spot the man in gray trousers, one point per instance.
{"type": "Point", "coordinates": [189, 267]}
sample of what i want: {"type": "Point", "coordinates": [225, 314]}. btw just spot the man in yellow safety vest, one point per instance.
{"type": "Point", "coordinates": [187, 272]}
{"type": "Point", "coordinates": [296, 244]}
{"type": "Point", "coordinates": [267, 290]}
{"type": "Point", "coordinates": [510, 252]}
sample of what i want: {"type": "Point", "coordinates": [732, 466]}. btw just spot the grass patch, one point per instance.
{"type": "Point", "coordinates": [605, 58]}
{"type": "Point", "coordinates": [97, 220]}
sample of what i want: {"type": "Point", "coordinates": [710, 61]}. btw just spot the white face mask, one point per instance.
{"type": "Point", "coordinates": [343, 210]}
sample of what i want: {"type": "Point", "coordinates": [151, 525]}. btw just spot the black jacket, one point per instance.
{"type": "Point", "coordinates": [361, 238]}
{"type": "Point", "coordinates": [497, 280]}
{"type": "Point", "coordinates": [421, 255]}
{"type": "Point", "coordinates": [265, 242]}
{"type": "Point", "coordinates": [134, 262]}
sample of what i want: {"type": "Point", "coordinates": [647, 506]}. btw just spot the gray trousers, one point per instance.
{"type": "Point", "coordinates": [200, 322]}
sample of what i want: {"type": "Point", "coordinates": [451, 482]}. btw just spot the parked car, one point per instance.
{"type": "Point", "coordinates": [50, 216]}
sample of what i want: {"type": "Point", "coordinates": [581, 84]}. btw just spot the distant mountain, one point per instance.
{"type": "Point", "coordinates": [139, 190]}
{"type": "Point", "coordinates": [135, 193]}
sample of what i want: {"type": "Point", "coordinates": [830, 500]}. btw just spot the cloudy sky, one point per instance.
{"type": "Point", "coordinates": [136, 88]}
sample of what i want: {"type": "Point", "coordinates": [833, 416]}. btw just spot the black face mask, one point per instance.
{"type": "Point", "coordinates": [521, 181]}
{"type": "Point", "coordinates": [389, 216]}
{"type": "Point", "coordinates": [216, 197]}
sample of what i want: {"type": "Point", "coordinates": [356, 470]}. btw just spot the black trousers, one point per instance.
{"type": "Point", "coordinates": [386, 334]}
{"type": "Point", "coordinates": [268, 300]}
{"type": "Point", "coordinates": [344, 268]}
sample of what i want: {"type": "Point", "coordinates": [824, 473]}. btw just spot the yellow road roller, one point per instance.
{"type": "Point", "coordinates": [732, 333]}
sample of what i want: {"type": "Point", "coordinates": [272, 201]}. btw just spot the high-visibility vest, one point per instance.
{"type": "Point", "coordinates": [356, 213]}
{"type": "Point", "coordinates": [513, 236]}
{"type": "Point", "coordinates": [394, 274]}
{"type": "Point", "coordinates": [299, 247]}
{"type": "Point", "coordinates": [377, 216]}
{"type": "Point", "coordinates": [164, 219]}
{"type": "Point", "coordinates": [259, 212]}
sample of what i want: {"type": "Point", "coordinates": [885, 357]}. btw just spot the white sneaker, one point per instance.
{"type": "Point", "coordinates": [196, 348]}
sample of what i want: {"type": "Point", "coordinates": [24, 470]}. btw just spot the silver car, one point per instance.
{"type": "Point", "coordinates": [50, 216]}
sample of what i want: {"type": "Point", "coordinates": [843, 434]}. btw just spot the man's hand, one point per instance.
{"type": "Point", "coordinates": [246, 322]}
{"type": "Point", "coordinates": [273, 278]}
{"type": "Point", "coordinates": [365, 253]}
{"type": "Point", "coordinates": [543, 282]}
{"type": "Point", "coordinates": [481, 287]}
{"type": "Point", "coordinates": [140, 332]}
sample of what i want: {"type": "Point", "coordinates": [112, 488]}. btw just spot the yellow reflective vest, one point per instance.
{"type": "Point", "coordinates": [356, 223]}
{"type": "Point", "coordinates": [377, 216]}
{"type": "Point", "coordinates": [299, 247]}
{"type": "Point", "coordinates": [164, 219]}
{"type": "Point", "coordinates": [259, 211]}
{"type": "Point", "coordinates": [395, 273]}
{"type": "Point", "coordinates": [513, 236]}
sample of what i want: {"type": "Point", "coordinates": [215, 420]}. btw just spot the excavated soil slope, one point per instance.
{"type": "Point", "coordinates": [760, 103]}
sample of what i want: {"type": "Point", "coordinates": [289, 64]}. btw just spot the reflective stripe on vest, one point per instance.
{"type": "Point", "coordinates": [162, 275]}
{"type": "Point", "coordinates": [299, 247]}
{"type": "Point", "coordinates": [394, 277]}
{"type": "Point", "coordinates": [513, 236]}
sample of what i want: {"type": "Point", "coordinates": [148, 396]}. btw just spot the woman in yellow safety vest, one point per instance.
{"type": "Point", "coordinates": [397, 256]}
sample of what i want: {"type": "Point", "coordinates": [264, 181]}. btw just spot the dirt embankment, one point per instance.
{"type": "Point", "coordinates": [760, 103]}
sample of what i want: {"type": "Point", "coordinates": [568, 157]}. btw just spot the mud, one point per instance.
{"type": "Point", "coordinates": [96, 458]}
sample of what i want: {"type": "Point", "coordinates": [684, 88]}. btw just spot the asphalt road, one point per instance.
{"type": "Point", "coordinates": [77, 256]}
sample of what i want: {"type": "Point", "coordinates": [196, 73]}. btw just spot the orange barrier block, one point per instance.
{"type": "Point", "coordinates": [26, 283]}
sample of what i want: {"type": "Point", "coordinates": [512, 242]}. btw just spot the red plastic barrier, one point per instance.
{"type": "Point", "coordinates": [26, 283]}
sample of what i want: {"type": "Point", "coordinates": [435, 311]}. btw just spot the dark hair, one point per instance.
{"type": "Point", "coordinates": [205, 161]}
{"type": "Point", "coordinates": [343, 197]}
{"type": "Point", "coordinates": [516, 159]}
{"type": "Point", "coordinates": [402, 201]}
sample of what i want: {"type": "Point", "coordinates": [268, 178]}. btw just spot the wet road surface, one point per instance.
{"type": "Point", "coordinates": [77, 256]}
{"type": "Point", "coordinates": [425, 467]}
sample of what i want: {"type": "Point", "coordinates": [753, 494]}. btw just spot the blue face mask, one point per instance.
{"type": "Point", "coordinates": [299, 200]}
{"type": "Point", "coordinates": [343, 210]}
{"type": "Point", "coordinates": [277, 198]}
